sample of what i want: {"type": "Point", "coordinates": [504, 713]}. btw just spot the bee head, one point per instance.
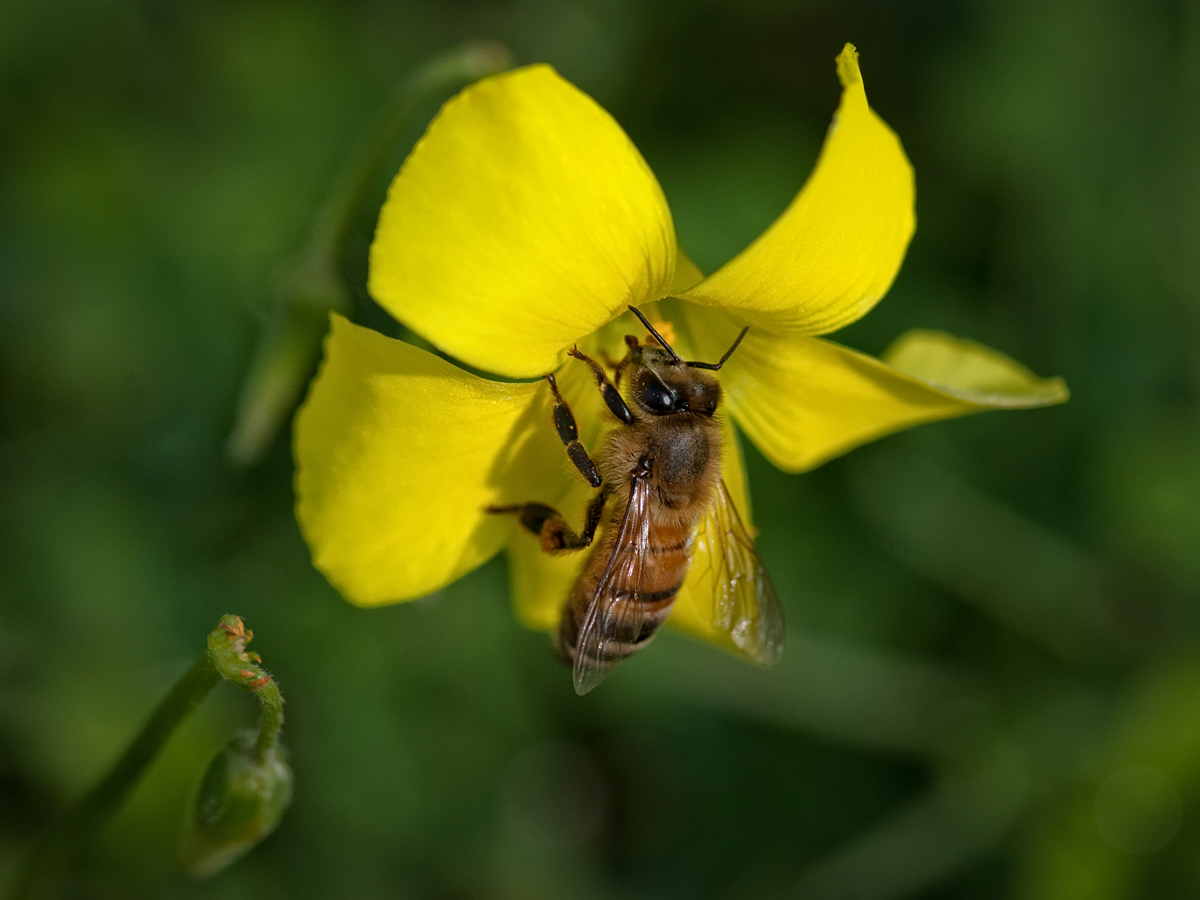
{"type": "Point", "coordinates": [661, 384]}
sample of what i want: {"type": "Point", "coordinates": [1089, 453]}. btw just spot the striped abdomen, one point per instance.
{"type": "Point", "coordinates": [663, 569]}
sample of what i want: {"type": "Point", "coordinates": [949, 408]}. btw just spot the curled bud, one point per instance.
{"type": "Point", "coordinates": [238, 802]}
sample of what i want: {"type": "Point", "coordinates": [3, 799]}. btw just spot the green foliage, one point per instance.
{"type": "Point", "coordinates": [989, 619]}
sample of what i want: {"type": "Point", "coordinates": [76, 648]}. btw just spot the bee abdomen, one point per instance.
{"type": "Point", "coordinates": [655, 603]}
{"type": "Point", "coordinates": [665, 567]}
{"type": "Point", "coordinates": [625, 642]}
{"type": "Point", "coordinates": [677, 547]}
{"type": "Point", "coordinates": [657, 598]}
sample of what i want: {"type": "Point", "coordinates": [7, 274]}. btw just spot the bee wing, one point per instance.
{"type": "Point", "coordinates": [745, 602]}
{"type": "Point", "coordinates": [616, 613]}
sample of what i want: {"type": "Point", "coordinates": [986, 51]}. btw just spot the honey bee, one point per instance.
{"type": "Point", "coordinates": [659, 475]}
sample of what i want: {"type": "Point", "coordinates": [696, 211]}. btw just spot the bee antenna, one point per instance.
{"type": "Point", "coordinates": [728, 353]}
{"type": "Point", "coordinates": [658, 337]}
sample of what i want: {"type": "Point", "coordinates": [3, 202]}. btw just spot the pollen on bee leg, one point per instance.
{"type": "Point", "coordinates": [552, 535]}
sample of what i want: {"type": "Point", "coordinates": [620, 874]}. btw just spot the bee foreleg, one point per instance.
{"type": "Point", "coordinates": [568, 433]}
{"type": "Point", "coordinates": [612, 397]}
{"type": "Point", "coordinates": [617, 365]}
{"type": "Point", "coordinates": [551, 529]}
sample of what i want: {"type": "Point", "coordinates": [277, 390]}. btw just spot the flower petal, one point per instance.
{"type": "Point", "coordinates": [397, 454]}
{"type": "Point", "coordinates": [971, 371]}
{"type": "Point", "coordinates": [523, 220]}
{"type": "Point", "coordinates": [687, 273]}
{"type": "Point", "coordinates": [803, 400]}
{"type": "Point", "coordinates": [836, 249]}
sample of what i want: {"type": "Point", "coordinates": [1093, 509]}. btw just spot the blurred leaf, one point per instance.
{"type": "Point", "coordinates": [1023, 574]}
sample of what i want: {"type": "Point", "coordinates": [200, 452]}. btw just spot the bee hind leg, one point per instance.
{"type": "Point", "coordinates": [549, 526]}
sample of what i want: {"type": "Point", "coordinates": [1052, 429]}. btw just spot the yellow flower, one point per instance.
{"type": "Point", "coordinates": [523, 223]}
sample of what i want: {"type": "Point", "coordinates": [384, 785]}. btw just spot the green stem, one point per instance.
{"type": "Point", "coordinates": [272, 719]}
{"type": "Point", "coordinates": [440, 75]}
{"type": "Point", "coordinates": [227, 650]}
{"type": "Point", "coordinates": [59, 843]}
{"type": "Point", "coordinates": [311, 284]}
{"type": "Point", "coordinates": [227, 658]}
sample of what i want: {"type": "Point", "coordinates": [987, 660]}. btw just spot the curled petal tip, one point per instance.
{"type": "Point", "coordinates": [847, 66]}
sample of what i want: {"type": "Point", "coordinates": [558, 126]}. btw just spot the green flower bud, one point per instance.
{"type": "Point", "coordinates": [238, 802]}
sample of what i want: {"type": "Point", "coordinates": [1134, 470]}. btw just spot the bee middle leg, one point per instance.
{"type": "Point", "coordinates": [551, 529]}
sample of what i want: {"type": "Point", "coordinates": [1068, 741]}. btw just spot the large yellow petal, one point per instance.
{"type": "Point", "coordinates": [803, 400]}
{"type": "Point", "coordinates": [397, 454]}
{"type": "Point", "coordinates": [522, 221]}
{"type": "Point", "coordinates": [836, 249]}
{"type": "Point", "coordinates": [687, 273]}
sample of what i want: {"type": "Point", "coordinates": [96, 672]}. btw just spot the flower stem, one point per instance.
{"type": "Point", "coordinates": [58, 844]}
{"type": "Point", "coordinates": [226, 658]}
{"type": "Point", "coordinates": [272, 719]}
{"type": "Point", "coordinates": [311, 283]}
{"type": "Point", "coordinates": [227, 651]}
{"type": "Point", "coordinates": [447, 72]}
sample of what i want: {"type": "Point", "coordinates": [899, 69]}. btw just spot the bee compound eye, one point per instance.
{"type": "Point", "coordinates": [703, 400]}
{"type": "Point", "coordinates": [656, 396]}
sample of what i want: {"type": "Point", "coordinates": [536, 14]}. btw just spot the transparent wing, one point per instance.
{"type": "Point", "coordinates": [614, 618]}
{"type": "Point", "coordinates": [745, 602]}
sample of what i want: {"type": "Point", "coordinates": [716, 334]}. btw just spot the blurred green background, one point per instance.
{"type": "Point", "coordinates": [992, 683]}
